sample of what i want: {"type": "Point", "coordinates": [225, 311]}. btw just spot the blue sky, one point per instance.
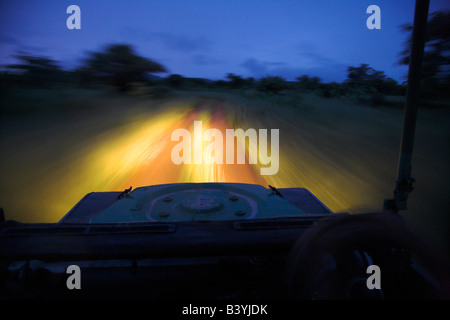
{"type": "Point", "coordinates": [209, 38]}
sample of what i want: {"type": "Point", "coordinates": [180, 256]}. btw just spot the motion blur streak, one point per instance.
{"type": "Point", "coordinates": [144, 157]}
{"type": "Point", "coordinates": [210, 171]}
{"type": "Point", "coordinates": [346, 155]}
{"type": "Point", "coordinates": [53, 168]}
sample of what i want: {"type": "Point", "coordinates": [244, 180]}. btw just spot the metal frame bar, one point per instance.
{"type": "Point", "coordinates": [404, 183]}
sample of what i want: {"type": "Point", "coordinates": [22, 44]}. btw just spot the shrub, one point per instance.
{"type": "Point", "coordinates": [272, 84]}
{"type": "Point", "coordinates": [175, 80]}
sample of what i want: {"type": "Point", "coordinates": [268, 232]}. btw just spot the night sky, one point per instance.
{"type": "Point", "coordinates": [208, 39]}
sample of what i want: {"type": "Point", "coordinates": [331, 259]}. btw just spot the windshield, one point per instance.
{"type": "Point", "coordinates": [101, 96]}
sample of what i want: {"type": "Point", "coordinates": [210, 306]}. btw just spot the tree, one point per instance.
{"type": "Point", "coordinates": [306, 82]}
{"type": "Point", "coordinates": [367, 78]}
{"type": "Point", "coordinates": [435, 72]}
{"type": "Point", "coordinates": [235, 80]}
{"type": "Point", "coordinates": [175, 80]}
{"type": "Point", "coordinates": [38, 70]}
{"type": "Point", "coordinates": [120, 65]}
{"type": "Point", "coordinates": [272, 84]}
{"type": "Point", "coordinates": [363, 75]}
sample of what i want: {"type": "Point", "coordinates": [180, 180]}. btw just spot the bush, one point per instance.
{"type": "Point", "coordinates": [307, 83]}
{"type": "Point", "coordinates": [175, 80]}
{"type": "Point", "coordinates": [272, 84]}
{"type": "Point", "coordinates": [331, 90]}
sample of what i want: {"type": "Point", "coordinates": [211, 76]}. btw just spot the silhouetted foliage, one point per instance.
{"type": "Point", "coordinates": [363, 76]}
{"type": "Point", "coordinates": [250, 81]}
{"type": "Point", "coordinates": [306, 82]}
{"type": "Point", "coordinates": [272, 84]}
{"type": "Point", "coordinates": [38, 70]}
{"type": "Point", "coordinates": [175, 80]}
{"type": "Point", "coordinates": [435, 72]}
{"type": "Point", "coordinates": [235, 81]}
{"type": "Point", "coordinates": [437, 46]}
{"type": "Point", "coordinates": [219, 83]}
{"type": "Point", "coordinates": [198, 82]}
{"type": "Point", "coordinates": [331, 90]}
{"type": "Point", "coordinates": [366, 77]}
{"type": "Point", "coordinates": [120, 65]}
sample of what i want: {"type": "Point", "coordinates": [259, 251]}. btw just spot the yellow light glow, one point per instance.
{"type": "Point", "coordinates": [138, 153]}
